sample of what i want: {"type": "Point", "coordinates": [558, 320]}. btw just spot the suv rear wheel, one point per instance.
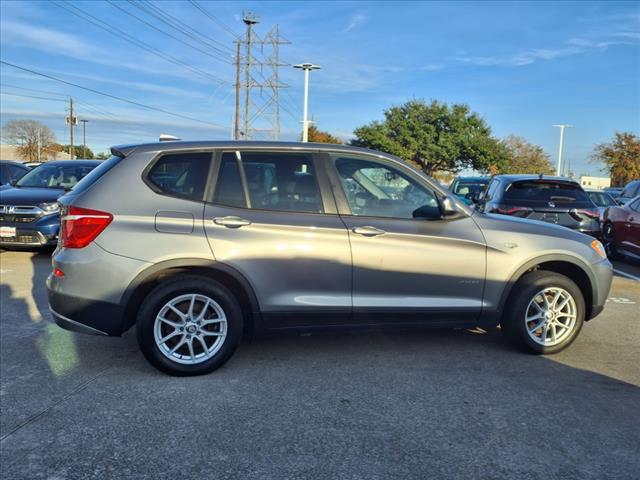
{"type": "Point", "coordinates": [189, 325]}
{"type": "Point", "coordinates": [544, 314]}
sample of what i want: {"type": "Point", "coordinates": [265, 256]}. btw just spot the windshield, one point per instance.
{"type": "Point", "coordinates": [465, 188]}
{"type": "Point", "coordinates": [55, 176]}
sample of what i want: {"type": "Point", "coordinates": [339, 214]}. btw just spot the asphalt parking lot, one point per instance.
{"type": "Point", "coordinates": [433, 404]}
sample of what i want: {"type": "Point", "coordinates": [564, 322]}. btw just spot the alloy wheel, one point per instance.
{"type": "Point", "coordinates": [190, 329]}
{"type": "Point", "coordinates": [551, 316]}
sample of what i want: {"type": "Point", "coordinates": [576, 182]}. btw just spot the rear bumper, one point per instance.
{"type": "Point", "coordinates": [85, 316]}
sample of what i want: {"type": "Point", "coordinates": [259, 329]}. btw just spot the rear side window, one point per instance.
{"type": "Point", "coordinates": [279, 181]}
{"type": "Point", "coordinates": [546, 191]}
{"type": "Point", "coordinates": [630, 190]}
{"type": "Point", "coordinates": [181, 174]}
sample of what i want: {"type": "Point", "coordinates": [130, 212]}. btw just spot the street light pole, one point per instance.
{"type": "Point", "coordinates": [560, 147]}
{"type": "Point", "coordinates": [307, 67]}
{"type": "Point", "coordinates": [84, 138]}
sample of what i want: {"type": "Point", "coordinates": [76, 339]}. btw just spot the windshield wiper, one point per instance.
{"type": "Point", "coordinates": [560, 198]}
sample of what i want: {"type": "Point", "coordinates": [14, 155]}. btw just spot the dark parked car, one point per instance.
{"type": "Point", "coordinates": [29, 213]}
{"type": "Point", "coordinates": [621, 229]}
{"type": "Point", "coordinates": [556, 200]}
{"type": "Point", "coordinates": [11, 171]}
{"type": "Point", "coordinates": [468, 188]}
{"type": "Point", "coordinates": [250, 238]}
{"type": "Point", "coordinates": [631, 190]}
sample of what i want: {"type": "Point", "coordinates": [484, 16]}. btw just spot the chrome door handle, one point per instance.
{"type": "Point", "coordinates": [368, 231]}
{"type": "Point", "coordinates": [231, 222]}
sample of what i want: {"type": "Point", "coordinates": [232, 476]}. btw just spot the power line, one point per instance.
{"type": "Point", "coordinates": [33, 96]}
{"type": "Point", "coordinates": [97, 92]}
{"type": "Point", "coordinates": [145, 46]}
{"type": "Point", "coordinates": [164, 32]}
{"type": "Point", "coordinates": [214, 19]}
{"type": "Point", "coordinates": [34, 90]}
{"type": "Point", "coordinates": [181, 27]}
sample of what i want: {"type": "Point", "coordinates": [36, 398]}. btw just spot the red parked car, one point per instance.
{"type": "Point", "coordinates": [621, 229]}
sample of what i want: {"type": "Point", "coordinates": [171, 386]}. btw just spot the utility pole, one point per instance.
{"type": "Point", "coordinates": [560, 147]}
{"type": "Point", "coordinates": [306, 67]}
{"type": "Point", "coordinates": [71, 123]}
{"type": "Point", "coordinates": [84, 138]}
{"type": "Point", "coordinates": [236, 132]}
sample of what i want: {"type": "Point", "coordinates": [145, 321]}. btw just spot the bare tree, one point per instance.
{"type": "Point", "coordinates": [33, 140]}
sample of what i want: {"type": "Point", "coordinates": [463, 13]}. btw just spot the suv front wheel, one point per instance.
{"type": "Point", "coordinates": [189, 325]}
{"type": "Point", "coordinates": [544, 314]}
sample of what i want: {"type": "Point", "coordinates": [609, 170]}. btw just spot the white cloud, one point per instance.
{"type": "Point", "coordinates": [432, 67]}
{"type": "Point", "coordinates": [356, 20]}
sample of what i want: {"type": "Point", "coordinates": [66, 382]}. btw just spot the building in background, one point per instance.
{"type": "Point", "coordinates": [10, 152]}
{"type": "Point", "coordinates": [597, 183]}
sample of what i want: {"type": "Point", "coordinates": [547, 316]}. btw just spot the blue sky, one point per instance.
{"type": "Point", "coordinates": [522, 66]}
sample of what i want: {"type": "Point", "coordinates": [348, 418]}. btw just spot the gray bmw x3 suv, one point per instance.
{"type": "Point", "coordinates": [200, 243]}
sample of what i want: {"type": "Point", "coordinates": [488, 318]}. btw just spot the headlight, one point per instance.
{"type": "Point", "coordinates": [50, 207]}
{"type": "Point", "coordinates": [598, 248]}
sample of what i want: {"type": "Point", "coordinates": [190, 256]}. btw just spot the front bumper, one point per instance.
{"type": "Point", "coordinates": [603, 276]}
{"type": "Point", "coordinates": [39, 233]}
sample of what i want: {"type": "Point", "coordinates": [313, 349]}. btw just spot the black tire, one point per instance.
{"type": "Point", "coordinates": [513, 325]}
{"type": "Point", "coordinates": [170, 289]}
{"type": "Point", "coordinates": [609, 240]}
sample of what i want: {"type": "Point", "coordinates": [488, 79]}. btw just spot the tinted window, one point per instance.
{"type": "Point", "coordinates": [491, 191]}
{"type": "Point", "coordinates": [229, 185]}
{"type": "Point", "coordinates": [182, 174]}
{"type": "Point", "coordinates": [601, 199]}
{"type": "Point", "coordinates": [465, 188]}
{"type": "Point", "coordinates": [375, 189]}
{"type": "Point", "coordinates": [635, 206]}
{"type": "Point", "coordinates": [65, 175]}
{"type": "Point", "coordinates": [545, 191]}
{"type": "Point", "coordinates": [630, 190]}
{"type": "Point", "coordinates": [282, 181]}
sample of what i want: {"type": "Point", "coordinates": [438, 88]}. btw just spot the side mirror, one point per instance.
{"type": "Point", "coordinates": [427, 212]}
{"type": "Point", "coordinates": [448, 208]}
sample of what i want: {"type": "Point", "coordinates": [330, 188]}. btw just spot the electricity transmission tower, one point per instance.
{"type": "Point", "coordinates": [258, 82]}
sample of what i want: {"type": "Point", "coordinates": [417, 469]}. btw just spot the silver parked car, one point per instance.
{"type": "Point", "coordinates": [200, 243]}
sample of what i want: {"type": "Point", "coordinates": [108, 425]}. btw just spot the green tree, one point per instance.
{"type": "Point", "coordinates": [434, 136]}
{"type": "Point", "coordinates": [524, 157]}
{"type": "Point", "coordinates": [33, 140]}
{"type": "Point", "coordinates": [103, 156]}
{"type": "Point", "coordinates": [621, 158]}
{"type": "Point", "coordinates": [79, 151]}
{"type": "Point", "coordinates": [318, 136]}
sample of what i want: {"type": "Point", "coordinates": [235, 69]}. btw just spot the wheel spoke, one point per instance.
{"type": "Point", "coordinates": [191, 352]}
{"type": "Point", "coordinates": [205, 349]}
{"type": "Point", "coordinates": [170, 336]}
{"type": "Point", "coordinates": [564, 303]}
{"type": "Point", "coordinates": [553, 332]}
{"type": "Point", "coordinates": [191, 305]}
{"type": "Point", "coordinates": [209, 321]}
{"type": "Point", "coordinates": [177, 312]}
{"type": "Point", "coordinates": [545, 330]}
{"type": "Point", "coordinates": [178, 345]}
{"type": "Point", "coordinates": [556, 298]}
{"type": "Point", "coordinates": [203, 311]}
{"type": "Point", "coordinates": [537, 326]}
{"type": "Point", "coordinates": [535, 317]}
{"type": "Point", "coordinates": [213, 334]}
{"type": "Point", "coordinates": [169, 322]}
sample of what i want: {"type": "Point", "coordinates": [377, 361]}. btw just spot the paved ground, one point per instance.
{"type": "Point", "coordinates": [448, 404]}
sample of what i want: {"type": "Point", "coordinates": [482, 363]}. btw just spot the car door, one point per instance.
{"type": "Point", "coordinates": [405, 268]}
{"type": "Point", "coordinates": [271, 216]}
{"type": "Point", "coordinates": [631, 228]}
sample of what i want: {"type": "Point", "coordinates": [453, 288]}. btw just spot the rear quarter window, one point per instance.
{"type": "Point", "coordinates": [181, 174]}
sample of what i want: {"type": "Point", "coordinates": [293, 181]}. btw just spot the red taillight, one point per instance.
{"type": "Point", "coordinates": [58, 273]}
{"type": "Point", "coordinates": [80, 226]}
{"type": "Point", "coordinates": [520, 211]}
{"type": "Point", "coordinates": [587, 212]}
